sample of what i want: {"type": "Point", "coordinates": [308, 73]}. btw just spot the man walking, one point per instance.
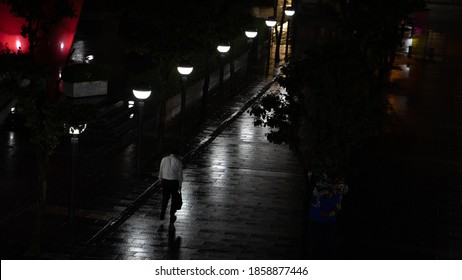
{"type": "Point", "coordinates": [171, 178]}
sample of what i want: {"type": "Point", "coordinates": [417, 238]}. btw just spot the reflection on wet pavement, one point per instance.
{"type": "Point", "coordinates": [237, 203]}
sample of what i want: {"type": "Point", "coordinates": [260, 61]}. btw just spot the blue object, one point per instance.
{"type": "Point", "coordinates": [329, 206]}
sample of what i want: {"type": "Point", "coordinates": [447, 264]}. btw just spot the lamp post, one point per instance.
{"type": "Point", "coordinates": [184, 68]}
{"type": "Point", "coordinates": [222, 49]}
{"type": "Point", "coordinates": [141, 91]}
{"type": "Point", "coordinates": [270, 22]}
{"type": "Point", "coordinates": [250, 34]}
{"type": "Point", "coordinates": [289, 13]}
{"type": "Point", "coordinates": [74, 131]}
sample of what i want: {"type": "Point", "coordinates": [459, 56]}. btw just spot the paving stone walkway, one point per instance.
{"type": "Point", "coordinates": [243, 199]}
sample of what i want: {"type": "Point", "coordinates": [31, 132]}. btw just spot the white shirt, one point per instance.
{"type": "Point", "coordinates": [171, 168]}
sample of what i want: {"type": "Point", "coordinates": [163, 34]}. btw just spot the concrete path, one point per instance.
{"type": "Point", "coordinates": [243, 199]}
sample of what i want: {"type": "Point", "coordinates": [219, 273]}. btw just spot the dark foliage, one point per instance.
{"type": "Point", "coordinates": [328, 109]}
{"type": "Point", "coordinates": [329, 106]}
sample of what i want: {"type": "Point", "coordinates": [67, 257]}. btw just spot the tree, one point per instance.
{"type": "Point", "coordinates": [327, 110]}
{"type": "Point", "coordinates": [376, 27]}
{"type": "Point", "coordinates": [24, 77]}
{"type": "Point", "coordinates": [39, 21]}
{"type": "Point", "coordinates": [330, 105]}
{"type": "Point", "coordinates": [279, 33]}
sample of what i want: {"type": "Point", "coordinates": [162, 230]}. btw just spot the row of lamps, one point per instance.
{"type": "Point", "coordinates": [272, 22]}
{"type": "Point", "coordinates": [143, 91]}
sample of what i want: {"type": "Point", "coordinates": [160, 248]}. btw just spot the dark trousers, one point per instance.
{"type": "Point", "coordinates": [170, 188]}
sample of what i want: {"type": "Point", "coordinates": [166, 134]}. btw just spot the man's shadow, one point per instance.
{"type": "Point", "coordinates": [174, 242]}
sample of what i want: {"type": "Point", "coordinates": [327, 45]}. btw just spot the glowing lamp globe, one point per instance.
{"type": "Point", "coordinates": [185, 68]}
{"type": "Point", "coordinates": [289, 11]}
{"type": "Point", "coordinates": [271, 22]}
{"type": "Point", "coordinates": [224, 48]}
{"type": "Point", "coordinates": [142, 91]}
{"type": "Point", "coordinates": [77, 129]}
{"type": "Point", "coordinates": [251, 34]}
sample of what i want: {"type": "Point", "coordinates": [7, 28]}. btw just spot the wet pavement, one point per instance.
{"type": "Point", "coordinates": [107, 189]}
{"type": "Point", "coordinates": [242, 199]}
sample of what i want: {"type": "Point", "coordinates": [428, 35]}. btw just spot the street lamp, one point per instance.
{"type": "Point", "coordinates": [222, 48]}
{"type": "Point", "coordinates": [270, 22]}
{"type": "Point", "coordinates": [250, 34]}
{"type": "Point", "coordinates": [74, 131]}
{"type": "Point", "coordinates": [89, 58]}
{"type": "Point", "coordinates": [289, 11]}
{"type": "Point", "coordinates": [141, 91]}
{"type": "Point", "coordinates": [184, 68]}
